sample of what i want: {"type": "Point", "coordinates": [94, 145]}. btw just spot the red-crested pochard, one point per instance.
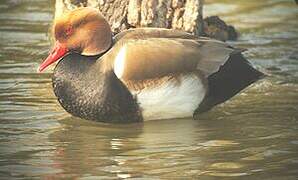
{"type": "Point", "coordinates": [140, 74]}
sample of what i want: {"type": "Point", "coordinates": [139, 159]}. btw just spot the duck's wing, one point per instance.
{"type": "Point", "coordinates": [158, 53]}
{"type": "Point", "coordinates": [144, 33]}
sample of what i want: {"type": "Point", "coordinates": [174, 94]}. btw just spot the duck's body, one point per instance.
{"type": "Point", "coordinates": [148, 74]}
{"type": "Point", "coordinates": [131, 82]}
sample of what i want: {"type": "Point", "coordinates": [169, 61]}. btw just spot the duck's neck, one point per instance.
{"type": "Point", "coordinates": [85, 90]}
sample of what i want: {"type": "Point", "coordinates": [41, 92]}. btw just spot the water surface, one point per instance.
{"type": "Point", "coordinates": [254, 135]}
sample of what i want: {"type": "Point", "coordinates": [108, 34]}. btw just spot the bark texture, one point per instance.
{"type": "Point", "coordinates": [124, 14]}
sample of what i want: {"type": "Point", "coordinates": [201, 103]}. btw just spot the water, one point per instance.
{"type": "Point", "coordinates": [253, 136]}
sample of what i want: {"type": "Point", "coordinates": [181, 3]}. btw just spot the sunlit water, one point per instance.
{"type": "Point", "coordinates": [254, 135]}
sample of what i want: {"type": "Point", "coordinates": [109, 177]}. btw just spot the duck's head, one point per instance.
{"type": "Point", "coordinates": [83, 30]}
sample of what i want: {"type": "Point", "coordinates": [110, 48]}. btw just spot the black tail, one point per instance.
{"type": "Point", "coordinates": [235, 75]}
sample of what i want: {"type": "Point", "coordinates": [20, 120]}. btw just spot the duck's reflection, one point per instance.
{"type": "Point", "coordinates": [161, 148]}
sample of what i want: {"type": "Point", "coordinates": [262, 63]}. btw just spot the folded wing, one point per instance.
{"type": "Point", "coordinates": [151, 53]}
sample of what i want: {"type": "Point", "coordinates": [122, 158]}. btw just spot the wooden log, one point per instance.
{"type": "Point", "coordinates": [124, 14]}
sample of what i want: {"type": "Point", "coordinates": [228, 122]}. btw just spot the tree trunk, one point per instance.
{"type": "Point", "coordinates": [124, 14]}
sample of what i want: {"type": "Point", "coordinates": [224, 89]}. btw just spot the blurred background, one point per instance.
{"type": "Point", "coordinates": [254, 135]}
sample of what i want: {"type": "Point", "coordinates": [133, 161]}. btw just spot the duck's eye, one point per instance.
{"type": "Point", "coordinates": [68, 31]}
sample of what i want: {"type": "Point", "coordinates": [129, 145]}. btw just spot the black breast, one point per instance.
{"type": "Point", "coordinates": [84, 91]}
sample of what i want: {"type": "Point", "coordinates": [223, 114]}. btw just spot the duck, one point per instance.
{"type": "Point", "coordinates": [140, 74]}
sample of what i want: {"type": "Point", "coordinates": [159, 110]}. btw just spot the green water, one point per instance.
{"type": "Point", "coordinates": [253, 136]}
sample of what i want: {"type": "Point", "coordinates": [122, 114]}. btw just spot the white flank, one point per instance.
{"type": "Point", "coordinates": [119, 62]}
{"type": "Point", "coordinates": [171, 99]}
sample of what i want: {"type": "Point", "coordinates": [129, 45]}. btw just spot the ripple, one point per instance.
{"type": "Point", "coordinates": [226, 165]}
{"type": "Point", "coordinates": [218, 143]}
